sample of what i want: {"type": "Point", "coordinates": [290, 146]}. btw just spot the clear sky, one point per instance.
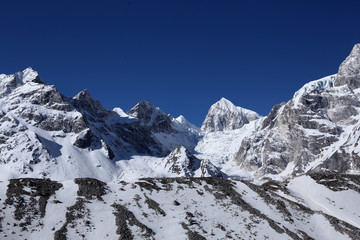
{"type": "Point", "coordinates": [180, 55]}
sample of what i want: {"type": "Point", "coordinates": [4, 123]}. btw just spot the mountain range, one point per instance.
{"type": "Point", "coordinates": [238, 163]}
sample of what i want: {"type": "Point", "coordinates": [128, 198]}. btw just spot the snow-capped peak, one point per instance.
{"type": "Point", "coordinates": [120, 112]}
{"type": "Point", "coordinates": [143, 109]}
{"type": "Point", "coordinates": [27, 75]}
{"type": "Point", "coordinates": [225, 104]}
{"type": "Point", "coordinates": [151, 116]}
{"type": "Point", "coordinates": [84, 97]}
{"type": "Point", "coordinates": [183, 124]}
{"type": "Point", "coordinates": [181, 119]}
{"type": "Point", "coordinates": [9, 82]}
{"type": "Point", "coordinates": [224, 115]}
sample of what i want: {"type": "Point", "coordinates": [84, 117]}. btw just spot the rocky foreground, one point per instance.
{"type": "Point", "coordinates": [306, 207]}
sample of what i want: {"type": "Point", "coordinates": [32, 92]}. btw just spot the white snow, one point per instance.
{"type": "Point", "coordinates": [343, 205]}
{"type": "Point", "coordinates": [321, 84]}
{"type": "Point", "coordinates": [220, 147]}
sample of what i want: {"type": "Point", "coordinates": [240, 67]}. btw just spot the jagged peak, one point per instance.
{"type": "Point", "coordinates": [12, 81]}
{"type": "Point", "coordinates": [27, 75]}
{"type": "Point", "coordinates": [349, 70]}
{"type": "Point", "coordinates": [151, 116]}
{"type": "Point", "coordinates": [352, 63]}
{"type": "Point", "coordinates": [356, 50]}
{"type": "Point", "coordinates": [143, 104]}
{"type": "Point", "coordinates": [144, 110]}
{"type": "Point", "coordinates": [85, 96]}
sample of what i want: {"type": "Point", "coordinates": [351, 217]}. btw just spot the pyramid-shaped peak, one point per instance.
{"type": "Point", "coordinates": [84, 98]}
{"type": "Point", "coordinates": [224, 101]}
{"type": "Point", "coordinates": [84, 95]}
{"type": "Point", "coordinates": [224, 115]}
{"type": "Point", "coordinates": [349, 70]}
{"type": "Point", "coordinates": [143, 109]}
{"type": "Point", "coordinates": [356, 50]}
{"type": "Point", "coordinates": [224, 104]}
{"type": "Point", "coordinates": [144, 104]}
{"type": "Point", "coordinates": [180, 153]}
{"type": "Point", "coordinates": [151, 116]}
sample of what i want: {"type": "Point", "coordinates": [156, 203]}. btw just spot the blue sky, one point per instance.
{"type": "Point", "coordinates": [180, 55]}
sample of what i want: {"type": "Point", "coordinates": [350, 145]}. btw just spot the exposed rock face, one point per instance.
{"type": "Point", "coordinates": [151, 117]}
{"type": "Point", "coordinates": [316, 130]}
{"type": "Point", "coordinates": [181, 162]}
{"type": "Point", "coordinates": [84, 139]}
{"type": "Point", "coordinates": [84, 103]}
{"type": "Point", "coordinates": [28, 97]}
{"type": "Point", "coordinates": [210, 170]}
{"type": "Point", "coordinates": [40, 191]}
{"type": "Point", "coordinates": [224, 115]}
{"type": "Point", "coordinates": [109, 152]}
{"type": "Point", "coordinates": [349, 70]}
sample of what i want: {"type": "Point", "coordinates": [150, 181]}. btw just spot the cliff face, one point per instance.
{"type": "Point", "coordinates": [317, 130]}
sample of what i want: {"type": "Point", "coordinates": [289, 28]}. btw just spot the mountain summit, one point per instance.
{"type": "Point", "coordinates": [349, 70]}
{"type": "Point", "coordinates": [224, 115]}
{"type": "Point", "coordinates": [316, 131]}
{"type": "Point", "coordinates": [45, 134]}
{"type": "Point", "coordinates": [71, 169]}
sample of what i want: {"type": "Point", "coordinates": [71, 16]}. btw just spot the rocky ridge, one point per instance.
{"type": "Point", "coordinates": [317, 130]}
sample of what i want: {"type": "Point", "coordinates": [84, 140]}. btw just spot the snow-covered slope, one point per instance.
{"type": "Point", "coordinates": [224, 115]}
{"type": "Point", "coordinates": [179, 208]}
{"type": "Point", "coordinates": [221, 147]}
